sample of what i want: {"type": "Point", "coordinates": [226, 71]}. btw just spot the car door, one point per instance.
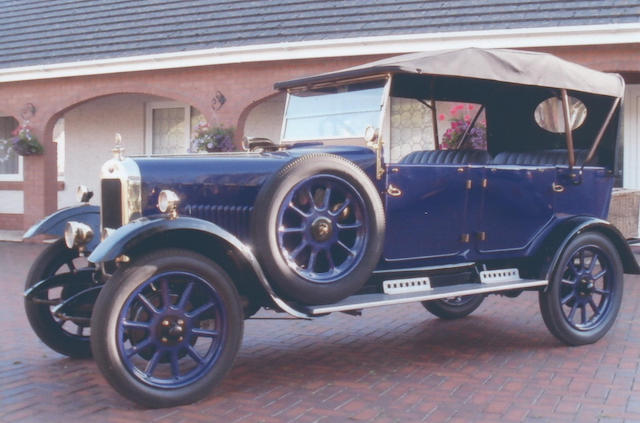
{"type": "Point", "coordinates": [517, 204]}
{"type": "Point", "coordinates": [426, 211]}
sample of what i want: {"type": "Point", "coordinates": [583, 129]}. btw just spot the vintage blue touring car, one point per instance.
{"type": "Point", "coordinates": [436, 177]}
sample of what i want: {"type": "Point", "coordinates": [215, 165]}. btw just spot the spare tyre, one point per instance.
{"type": "Point", "coordinates": [318, 228]}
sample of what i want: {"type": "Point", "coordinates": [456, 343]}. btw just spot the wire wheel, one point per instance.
{"type": "Point", "coordinates": [322, 228]}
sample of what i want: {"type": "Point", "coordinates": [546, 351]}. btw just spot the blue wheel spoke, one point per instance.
{"type": "Point", "coordinates": [284, 230]}
{"type": "Point", "coordinates": [311, 199]}
{"type": "Point", "coordinates": [581, 257]}
{"type": "Point", "coordinates": [205, 333]}
{"type": "Point", "coordinates": [603, 292]}
{"type": "Point", "coordinates": [566, 299]}
{"type": "Point", "coordinates": [175, 366]}
{"type": "Point", "coordinates": [583, 313]}
{"type": "Point", "coordinates": [198, 311]}
{"type": "Point", "coordinates": [194, 354]}
{"type": "Point", "coordinates": [332, 264]}
{"type": "Point", "coordinates": [151, 365]}
{"type": "Point", "coordinates": [298, 210]}
{"type": "Point", "coordinates": [592, 265]}
{"type": "Point", "coordinates": [568, 282]}
{"type": "Point", "coordinates": [164, 290]}
{"type": "Point", "coordinates": [599, 275]}
{"type": "Point", "coordinates": [138, 347]}
{"type": "Point", "coordinates": [355, 225]}
{"type": "Point", "coordinates": [327, 198]}
{"type": "Point", "coordinates": [298, 250]}
{"type": "Point", "coordinates": [594, 306]}
{"type": "Point", "coordinates": [342, 207]}
{"type": "Point", "coordinates": [185, 296]}
{"type": "Point", "coordinates": [312, 260]}
{"type": "Point", "coordinates": [147, 303]}
{"type": "Point", "coordinates": [572, 313]}
{"type": "Point", "coordinates": [347, 249]}
{"type": "Point", "coordinates": [135, 325]}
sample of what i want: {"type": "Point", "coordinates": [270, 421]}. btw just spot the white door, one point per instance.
{"type": "Point", "coordinates": [631, 167]}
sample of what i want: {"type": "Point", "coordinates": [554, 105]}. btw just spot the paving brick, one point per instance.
{"type": "Point", "coordinates": [396, 364]}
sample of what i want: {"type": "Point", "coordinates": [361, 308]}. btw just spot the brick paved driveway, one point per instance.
{"type": "Point", "coordinates": [396, 364]}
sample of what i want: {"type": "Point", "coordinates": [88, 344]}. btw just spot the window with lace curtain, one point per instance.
{"type": "Point", "coordinates": [10, 162]}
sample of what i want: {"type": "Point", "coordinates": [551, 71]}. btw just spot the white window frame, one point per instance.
{"type": "Point", "coordinates": [148, 133]}
{"type": "Point", "coordinates": [13, 176]}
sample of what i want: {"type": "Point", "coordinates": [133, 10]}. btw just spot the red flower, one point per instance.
{"type": "Point", "coordinates": [442, 116]}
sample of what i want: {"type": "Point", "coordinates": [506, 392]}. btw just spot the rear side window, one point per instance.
{"type": "Point", "coordinates": [423, 125]}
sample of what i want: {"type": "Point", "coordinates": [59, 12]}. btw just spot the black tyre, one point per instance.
{"type": "Point", "coordinates": [454, 307]}
{"type": "Point", "coordinates": [318, 228]}
{"type": "Point", "coordinates": [166, 329]}
{"type": "Point", "coordinates": [65, 337]}
{"type": "Point", "coordinates": [584, 294]}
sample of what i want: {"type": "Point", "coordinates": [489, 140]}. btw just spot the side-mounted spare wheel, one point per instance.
{"type": "Point", "coordinates": [318, 228]}
{"type": "Point", "coordinates": [585, 291]}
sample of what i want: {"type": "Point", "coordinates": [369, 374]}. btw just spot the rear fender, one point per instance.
{"type": "Point", "coordinates": [136, 234]}
{"type": "Point", "coordinates": [555, 243]}
{"type": "Point", "coordinates": [54, 223]}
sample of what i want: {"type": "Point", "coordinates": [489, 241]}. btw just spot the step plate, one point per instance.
{"type": "Point", "coordinates": [357, 302]}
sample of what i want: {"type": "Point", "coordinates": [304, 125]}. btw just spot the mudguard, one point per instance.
{"type": "Point", "coordinates": [555, 243]}
{"type": "Point", "coordinates": [129, 236]}
{"type": "Point", "coordinates": [54, 223]}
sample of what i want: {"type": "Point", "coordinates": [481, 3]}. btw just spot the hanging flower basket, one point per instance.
{"type": "Point", "coordinates": [211, 139]}
{"type": "Point", "coordinates": [25, 143]}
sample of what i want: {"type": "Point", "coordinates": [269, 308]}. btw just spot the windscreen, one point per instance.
{"type": "Point", "coordinates": [333, 112]}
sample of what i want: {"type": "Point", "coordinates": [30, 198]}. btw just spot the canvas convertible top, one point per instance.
{"type": "Point", "coordinates": [501, 65]}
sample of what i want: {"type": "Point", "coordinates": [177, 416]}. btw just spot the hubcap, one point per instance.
{"type": "Point", "coordinates": [322, 229]}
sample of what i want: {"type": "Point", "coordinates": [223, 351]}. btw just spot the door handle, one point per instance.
{"type": "Point", "coordinates": [394, 191]}
{"type": "Point", "coordinates": [557, 187]}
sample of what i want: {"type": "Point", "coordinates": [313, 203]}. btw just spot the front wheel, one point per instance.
{"type": "Point", "coordinates": [585, 292]}
{"type": "Point", "coordinates": [167, 329]}
{"type": "Point", "coordinates": [454, 307]}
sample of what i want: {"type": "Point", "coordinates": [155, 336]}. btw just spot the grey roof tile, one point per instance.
{"type": "Point", "coordinates": [55, 31]}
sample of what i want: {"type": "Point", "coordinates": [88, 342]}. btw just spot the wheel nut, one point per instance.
{"type": "Point", "coordinates": [164, 340]}
{"type": "Point", "coordinates": [165, 323]}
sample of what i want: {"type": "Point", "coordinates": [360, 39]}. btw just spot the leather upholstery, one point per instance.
{"type": "Point", "coordinates": [539, 158]}
{"type": "Point", "coordinates": [447, 157]}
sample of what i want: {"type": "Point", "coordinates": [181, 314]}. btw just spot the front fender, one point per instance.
{"type": "Point", "coordinates": [54, 223]}
{"type": "Point", "coordinates": [555, 243]}
{"type": "Point", "coordinates": [129, 236]}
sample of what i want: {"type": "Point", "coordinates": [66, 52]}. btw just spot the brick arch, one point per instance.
{"type": "Point", "coordinates": [242, 119]}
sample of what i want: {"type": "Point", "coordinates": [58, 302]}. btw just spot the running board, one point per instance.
{"type": "Point", "coordinates": [358, 302]}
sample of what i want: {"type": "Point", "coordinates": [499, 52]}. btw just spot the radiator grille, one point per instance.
{"type": "Point", "coordinates": [234, 219]}
{"type": "Point", "coordinates": [111, 203]}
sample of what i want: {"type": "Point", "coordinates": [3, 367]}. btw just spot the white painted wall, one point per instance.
{"type": "Point", "coordinates": [265, 120]}
{"type": "Point", "coordinates": [11, 202]}
{"type": "Point", "coordinates": [631, 169]}
{"type": "Point", "coordinates": [89, 136]}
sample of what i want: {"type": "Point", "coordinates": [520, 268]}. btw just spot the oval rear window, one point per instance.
{"type": "Point", "coordinates": [549, 115]}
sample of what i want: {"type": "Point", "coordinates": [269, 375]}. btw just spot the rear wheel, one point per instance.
{"type": "Point", "coordinates": [167, 329]}
{"type": "Point", "coordinates": [454, 307]}
{"type": "Point", "coordinates": [584, 294]}
{"type": "Point", "coordinates": [67, 337]}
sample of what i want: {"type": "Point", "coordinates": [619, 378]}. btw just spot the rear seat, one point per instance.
{"type": "Point", "coordinates": [540, 158]}
{"type": "Point", "coordinates": [447, 157]}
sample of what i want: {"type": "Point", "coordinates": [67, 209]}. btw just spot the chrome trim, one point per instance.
{"type": "Point", "coordinates": [358, 302]}
{"type": "Point", "coordinates": [127, 171]}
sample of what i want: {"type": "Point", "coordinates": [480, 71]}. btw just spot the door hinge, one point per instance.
{"type": "Point", "coordinates": [485, 182]}
{"type": "Point", "coordinates": [469, 184]}
{"type": "Point", "coordinates": [465, 238]}
{"type": "Point", "coordinates": [482, 236]}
